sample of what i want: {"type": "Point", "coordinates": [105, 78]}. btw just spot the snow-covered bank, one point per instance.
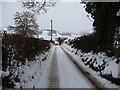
{"type": "Point", "coordinates": [32, 73]}
{"type": "Point", "coordinates": [97, 64]}
{"type": "Point", "coordinates": [35, 73]}
{"type": "Point", "coordinates": [20, 55]}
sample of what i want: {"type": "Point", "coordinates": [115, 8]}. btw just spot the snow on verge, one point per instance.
{"type": "Point", "coordinates": [106, 65]}
{"type": "Point", "coordinates": [33, 73]}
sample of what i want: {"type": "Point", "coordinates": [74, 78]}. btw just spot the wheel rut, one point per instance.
{"type": "Point", "coordinates": [53, 81]}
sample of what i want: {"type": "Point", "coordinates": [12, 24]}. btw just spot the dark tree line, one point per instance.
{"type": "Point", "coordinates": [105, 22]}
{"type": "Point", "coordinates": [106, 29]}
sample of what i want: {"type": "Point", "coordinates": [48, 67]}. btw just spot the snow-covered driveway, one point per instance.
{"type": "Point", "coordinates": [68, 74]}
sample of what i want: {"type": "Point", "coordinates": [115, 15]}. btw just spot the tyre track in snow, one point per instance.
{"type": "Point", "coordinates": [69, 75]}
{"type": "Point", "coordinates": [53, 81]}
{"type": "Point", "coordinates": [93, 80]}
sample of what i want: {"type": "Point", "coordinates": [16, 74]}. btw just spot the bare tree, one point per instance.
{"type": "Point", "coordinates": [25, 24]}
{"type": "Point", "coordinates": [38, 6]}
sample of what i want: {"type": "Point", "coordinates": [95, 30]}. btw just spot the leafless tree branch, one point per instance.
{"type": "Point", "coordinates": [38, 6]}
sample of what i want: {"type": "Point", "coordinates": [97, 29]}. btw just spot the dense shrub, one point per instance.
{"type": "Point", "coordinates": [89, 43]}
{"type": "Point", "coordinates": [20, 48]}
{"type": "Point", "coordinates": [85, 43]}
{"type": "Point", "coordinates": [16, 49]}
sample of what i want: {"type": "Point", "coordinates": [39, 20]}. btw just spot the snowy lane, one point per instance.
{"type": "Point", "coordinates": [95, 82]}
{"type": "Point", "coordinates": [69, 75]}
{"type": "Point", "coordinates": [53, 81]}
{"type": "Point", "coordinates": [61, 72]}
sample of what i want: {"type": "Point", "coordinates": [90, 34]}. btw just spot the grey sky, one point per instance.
{"type": "Point", "coordinates": [0, 14]}
{"type": "Point", "coordinates": [67, 17]}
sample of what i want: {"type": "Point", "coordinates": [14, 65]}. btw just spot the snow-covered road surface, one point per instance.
{"type": "Point", "coordinates": [68, 74]}
{"type": "Point", "coordinates": [57, 71]}
{"type": "Point", "coordinates": [53, 81]}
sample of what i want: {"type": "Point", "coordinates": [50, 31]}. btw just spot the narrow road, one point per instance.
{"type": "Point", "coordinates": [53, 74]}
{"type": "Point", "coordinates": [65, 74]}
{"type": "Point", "coordinates": [95, 82]}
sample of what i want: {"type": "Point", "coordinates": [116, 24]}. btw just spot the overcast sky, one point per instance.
{"type": "Point", "coordinates": [66, 16]}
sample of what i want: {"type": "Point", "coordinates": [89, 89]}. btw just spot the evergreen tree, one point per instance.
{"type": "Point", "coordinates": [105, 22]}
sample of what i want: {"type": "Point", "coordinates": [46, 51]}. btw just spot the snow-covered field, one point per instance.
{"type": "Point", "coordinates": [106, 65]}
{"type": "Point", "coordinates": [46, 35]}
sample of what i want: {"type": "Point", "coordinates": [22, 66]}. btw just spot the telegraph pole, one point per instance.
{"type": "Point", "coordinates": [51, 30]}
